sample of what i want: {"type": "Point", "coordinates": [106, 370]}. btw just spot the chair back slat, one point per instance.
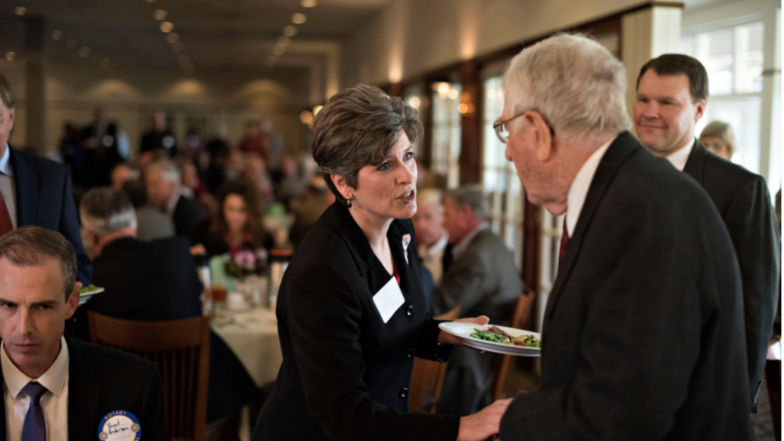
{"type": "Point", "coordinates": [427, 377]}
{"type": "Point", "coordinates": [520, 313]}
{"type": "Point", "coordinates": [180, 349]}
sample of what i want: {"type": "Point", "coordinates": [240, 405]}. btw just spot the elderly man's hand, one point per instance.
{"type": "Point", "coordinates": [449, 339]}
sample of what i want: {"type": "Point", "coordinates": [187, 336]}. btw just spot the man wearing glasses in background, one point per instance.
{"type": "Point", "coordinates": [643, 331]}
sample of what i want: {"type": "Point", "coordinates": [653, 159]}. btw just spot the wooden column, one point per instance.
{"type": "Point", "coordinates": [471, 124]}
{"type": "Point", "coordinates": [36, 74]}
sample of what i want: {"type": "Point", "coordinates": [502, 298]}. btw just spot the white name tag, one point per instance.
{"type": "Point", "coordinates": [389, 299]}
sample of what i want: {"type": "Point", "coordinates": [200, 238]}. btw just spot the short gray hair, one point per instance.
{"type": "Point", "coordinates": [27, 246]}
{"type": "Point", "coordinates": [471, 196]}
{"type": "Point", "coordinates": [356, 128]}
{"type": "Point", "coordinates": [573, 82]}
{"type": "Point", "coordinates": [6, 94]}
{"type": "Point", "coordinates": [105, 210]}
{"type": "Point", "coordinates": [169, 170]}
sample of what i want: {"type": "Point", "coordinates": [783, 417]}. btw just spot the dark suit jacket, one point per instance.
{"type": "Point", "coordinates": [102, 380]}
{"type": "Point", "coordinates": [345, 372]}
{"type": "Point", "coordinates": [643, 331]}
{"type": "Point", "coordinates": [157, 280]}
{"type": "Point", "coordinates": [44, 199]}
{"type": "Point", "coordinates": [743, 202]}
{"type": "Point", "coordinates": [187, 216]}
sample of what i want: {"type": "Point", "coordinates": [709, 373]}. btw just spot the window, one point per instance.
{"type": "Point", "coordinates": [499, 179]}
{"type": "Point", "coordinates": [733, 58]}
{"type": "Point", "coordinates": [413, 97]}
{"type": "Point", "coordinates": [446, 132]}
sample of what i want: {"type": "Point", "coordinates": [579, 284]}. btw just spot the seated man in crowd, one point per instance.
{"type": "Point", "coordinates": [482, 280]}
{"type": "Point", "coordinates": [151, 223]}
{"type": "Point", "coordinates": [431, 236]}
{"type": "Point", "coordinates": [55, 387]}
{"type": "Point", "coordinates": [643, 331]}
{"type": "Point", "coordinates": [153, 281]}
{"type": "Point", "coordinates": [164, 191]}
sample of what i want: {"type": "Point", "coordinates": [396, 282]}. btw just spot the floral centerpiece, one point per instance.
{"type": "Point", "coordinates": [243, 263]}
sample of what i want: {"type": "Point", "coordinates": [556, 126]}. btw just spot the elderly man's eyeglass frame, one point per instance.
{"type": "Point", "coordinates": [498, 125]}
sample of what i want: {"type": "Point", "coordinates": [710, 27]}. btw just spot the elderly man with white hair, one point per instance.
{"type": "Point", "coordinates": [164, 191]}
{"type": "Point", "coordinates": [643, 330]}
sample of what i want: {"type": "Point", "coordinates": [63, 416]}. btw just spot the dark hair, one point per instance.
{"type": "Point", "coordinates": [356, 128]}
{"type": "Point", "coordinates": [679, 64]}
{"type": "Point", "coordinates": [250, 195]}
{"type": "Point", "coordinates": [6, 94]}
{"type": "Point", "coordinates": [27, 246]}
{"type": "Point", "coordinates": [136, 192]}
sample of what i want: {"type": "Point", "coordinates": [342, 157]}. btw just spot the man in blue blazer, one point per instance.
{"type": "Point", "coordinates": [35, 191]}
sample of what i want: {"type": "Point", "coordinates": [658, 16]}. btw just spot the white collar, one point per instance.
{"type": "Point", "coordinates": [437, 247]}
{"type": "Point", "coordinates": [575, 199]}
{"type": "Point", "coordinates": [459, 248]}
{"type": "Point", "coordinates": [54, 379]}
{"type": "Point", "coordinates": [5, 162]}
{"type": "Point", "coordinates": [171, 204]}
{"type": "Point", "coordinates": [679, 157]}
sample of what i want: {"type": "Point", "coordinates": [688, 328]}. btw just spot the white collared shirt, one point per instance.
{"type": "Point", "coordinates": [679, 157]}
{"type": "Point", "coordinates": [54, 402]}
{"type": "Point", "coordinates": [171, 204]}
{"type": "Point", "coordinates": [459, 248]}
{"type": "Point", "coordinates": [7, 185]}
{"type": "Point", "coordinates": [575, 199]}
{"type": "Point", "coordinates": [432, 258]}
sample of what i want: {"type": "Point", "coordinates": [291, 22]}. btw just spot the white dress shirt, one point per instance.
{"type": "Point", "coordinates": [459, 248]}
{"type": "Point", "coordinates": [171, 204]}
{"type": "Point", "coordinates": [54, 402]}
{"type": "Point", "coordinates": [7, 186]}
{"type": "Point", "coordinates": [575, 199]}
{"type": "Point", "coordinates": [432, 258]}
{"type": "Point", "coordinates": [679, 157]}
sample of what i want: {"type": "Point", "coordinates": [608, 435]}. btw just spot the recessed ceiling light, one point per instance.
{"type": "Point", "coordinates": [84, 51]}
{"type": "Point", "coordinates": [150, 1]}
{"type": "Point", "coordinates": [278, 50]}
{"type": "Point", "coordinates": [160, 14]}
{"type": "Point", "coordinates": [284, 41]}
{"type": "Point", "coordinates": [309, 3]}
{"type": "Point", "coordinates": [299, 18]}
{"type": "Point", "coordinates": [20, 11]}
{"type": "Point", "coordinates": [172, 37]}
{"type": "Point", "coordinates": [290, 30]}
{"type": "Point", "coordinates": [167, 27]}
{"type": "Point", "coordinates": [10, 55]}
{"type": "Point", "coordinates": [56, 35]}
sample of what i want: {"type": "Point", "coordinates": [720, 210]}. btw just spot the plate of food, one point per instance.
{"type": "Point", "coordinates": [87, 291]}
{"type": "Point", "coordinates": [498, 339]}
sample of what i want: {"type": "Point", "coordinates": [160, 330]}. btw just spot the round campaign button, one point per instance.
{"type": "Point", "coordinates": [119, 425]}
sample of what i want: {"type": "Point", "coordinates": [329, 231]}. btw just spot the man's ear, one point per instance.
{"type": "Point", "coordinates": [11, 114]}
{"type": "Point", "coordinates": [699, 109]}
{"type": "Point", "coordinates": [343, 187]}
{"type": "Point", "coordinates": [72, 302]}
{"type": "Point", "coordinates": [543, 138]}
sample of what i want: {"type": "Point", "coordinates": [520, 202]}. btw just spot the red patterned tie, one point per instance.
{"type": "Point", "coordinates": [564, 241]}
{"type": "Point", "coordinates": [5, 219]}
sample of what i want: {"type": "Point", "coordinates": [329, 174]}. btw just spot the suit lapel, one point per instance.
{"type": "Point", "coordinates": [619, 150]}
{"type": "Point", "coordinates": [84, 395]}
{"type": "Point", "coordinates": [695, 163]}
{"type": "Point", "coordinates": [26, 189]}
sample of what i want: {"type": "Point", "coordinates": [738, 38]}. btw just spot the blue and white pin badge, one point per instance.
{"type": "Point", "coordinates": [406, 241]}
{"type": "Point", "coordinates": [119, 425]}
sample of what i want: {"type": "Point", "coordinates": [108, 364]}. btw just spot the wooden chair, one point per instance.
{"type": "Point", "coordinates": [427, 378]}
{"type": "Point", "coordinates": [521, 312]}
{"type": "Point", "coordinates": [773, 380]}
{"type": "Point", "coordinates": [181, 350]}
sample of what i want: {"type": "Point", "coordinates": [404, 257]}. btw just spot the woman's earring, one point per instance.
{"type": "Point", "coordinates": [348, 202]}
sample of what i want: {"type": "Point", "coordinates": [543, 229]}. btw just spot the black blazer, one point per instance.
{"type": "Point", "coordinates": [44, 199]}
{"type": "Point", "coordinates": [157, 280]}
{"type": "Point", "coordinates": [743, 202]}
{"type": "Point", "coordinates": [187, 216]}
{"type": "Point", "coordinates": [643, 330]}
{"type": "Point", "coordinates": [102, 380]}
{"type": "Point", "coordinates": [345, 373]}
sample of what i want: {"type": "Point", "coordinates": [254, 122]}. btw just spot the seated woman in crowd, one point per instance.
{"type": "Point", "coordinates": [236, 225]}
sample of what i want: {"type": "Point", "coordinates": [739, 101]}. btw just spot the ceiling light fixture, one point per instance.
{"type": "Point", "coordinates": [290, 31]}
{"type": "Point", "coordinates": [278, 50]}
{"type": "Point", "coordinates": [84, 51]}
{"type": "Point", "coordinates": [284, 41]}
{"type": "Point", "coordinates": [56, 35]}
{"type": "Point", "coordinates": [160, 14]}
{"type": "Point", "coordinates": [299, 18]}
{"type": "Point", "coordinates": [309, 3]}
{"type": "Point", "coordinates": [172, 37]}
{"type": "Point", "coordinates": [167, 27]}
{"type": "Point", "coordinates": [10, 55]}
{"type": "Point", "coordinates": [150, 1]}
{"type": "Point", "coordinates": [20, 11]}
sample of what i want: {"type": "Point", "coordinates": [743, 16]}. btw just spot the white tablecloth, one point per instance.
{"type": "Point", "coordinates": [253, 336]}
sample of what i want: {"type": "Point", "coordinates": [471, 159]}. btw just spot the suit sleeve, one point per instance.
{"type": "Point", "coordinates": [462, 285]}
{"type": "Point", "coordinates": [754, 232]}
{"type": "Point", "coordinates": [638, 345]}
{"type": "Point", "coordinates": [324, 321]}
{"type": "Point", "coordinates": [152, 419]}
{"type": "Point", "coordinates": [69, 227]}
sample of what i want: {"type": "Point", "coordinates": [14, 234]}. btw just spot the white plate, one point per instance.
{"type": "Point", "coordinates": [464, 330]}
{"type": "Point", "coordinates": [85, 296]}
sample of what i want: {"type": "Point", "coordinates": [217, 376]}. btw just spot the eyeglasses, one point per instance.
{"type": "Point", "coordinates": [503, 135]}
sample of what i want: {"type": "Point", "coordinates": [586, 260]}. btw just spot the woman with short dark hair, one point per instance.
{"type": "Point", "coordinates": [351, 313]}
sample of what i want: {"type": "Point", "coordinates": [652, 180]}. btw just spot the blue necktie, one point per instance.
{"type": "Point", "coordinates": [34, 428]}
